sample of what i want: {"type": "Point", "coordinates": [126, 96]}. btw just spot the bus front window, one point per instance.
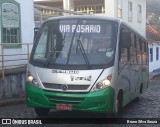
{"type": "Point", "coordinates": [76, 42]}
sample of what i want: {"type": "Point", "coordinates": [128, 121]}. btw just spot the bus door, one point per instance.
{"type": "Point", "coordinates": [136, 64]}
{"type": "Point", "coordinates": [134, 70]}
{"type": "Point", "coordinates": [124, 64]}
{"type": "Point", "coordinates": [124, 69]}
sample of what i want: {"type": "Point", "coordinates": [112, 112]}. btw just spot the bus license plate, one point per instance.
{"type": "Point", "coordinates": [64, 107]}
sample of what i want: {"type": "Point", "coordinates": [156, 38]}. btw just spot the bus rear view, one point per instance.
{"type": "Point", "coordinates": [72, 66]}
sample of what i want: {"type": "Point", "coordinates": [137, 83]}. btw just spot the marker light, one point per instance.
{"type": "Point", "coordinates": [35, 82]}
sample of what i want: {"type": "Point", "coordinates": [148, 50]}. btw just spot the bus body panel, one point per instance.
{"type": "Point", "coordinates": [52, 79]}
{"type": "Point", "coordinates": [132, 75]}
{"type": "Point", "coordinates": [99, 101]}
{"type": "Point", "coordinates": [126, 77]}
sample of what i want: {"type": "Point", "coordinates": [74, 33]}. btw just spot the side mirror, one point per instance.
{"type": "Point", "coordinates": [36, 30]}
{"type": "Point", "coordinates": [125, 39]}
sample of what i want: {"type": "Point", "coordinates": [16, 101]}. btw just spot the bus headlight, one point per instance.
{"type": "Point", "coordinates": [102, 84]}
{"type": "Point", "coordinates": [32, 80]}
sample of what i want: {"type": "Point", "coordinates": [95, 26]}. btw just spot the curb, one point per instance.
{"type": "Point", "coordinates": [155, 76]}
{"type": "Point", "coordinates": [12, 101]}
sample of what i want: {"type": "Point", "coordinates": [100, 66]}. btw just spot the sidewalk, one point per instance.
{"type": "Point", "coordinates": [12, 101]}
{"type": "Point", "coordinates": [154, 75]}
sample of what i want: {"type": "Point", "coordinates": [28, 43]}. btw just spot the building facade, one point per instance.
{"type": "Point", "coordinates": [132, 12]}
{"type": "Point", "coordinates": [154, 56]}
{"type": "Point", "coordinates": [16, 28]}
{"type": "Point", "coordinates": [153, 37]}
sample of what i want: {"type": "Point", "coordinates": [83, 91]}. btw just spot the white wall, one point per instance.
{"type": "Point", "coordinates": [27, 33]}
{"type": "Point", "coordinates": [68, 4]}
{"type": "Point", "coordinates": [156, 63]}
{"type": "Point", "coordinates": [27, 20]}
{"type": "Point", "coordinates": [27, 23]}
{"type": "Point", "coordinates": [111, 7]}
{"type": "Point", "coordinates": [140, 27]}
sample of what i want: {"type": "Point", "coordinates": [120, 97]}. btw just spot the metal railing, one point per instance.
{"type": "Point", "coordinates": [43, 12]}
{"type": "Point", "coordinates": [14, 55]}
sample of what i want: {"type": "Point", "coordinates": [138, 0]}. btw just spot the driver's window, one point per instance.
{"type": "Point", "coordinates": [124, 52]}
{"type": "Point", "coordinates": [41, 47]}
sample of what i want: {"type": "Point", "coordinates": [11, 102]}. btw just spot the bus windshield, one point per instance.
{"type": "Point", "coordinates": [84, 42]}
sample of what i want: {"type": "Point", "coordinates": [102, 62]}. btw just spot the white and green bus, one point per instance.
{"type": "Point", "coordinates": [86, 63]}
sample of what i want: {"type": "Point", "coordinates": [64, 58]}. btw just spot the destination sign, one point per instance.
{"type": "Point", "coordinates": [80, 28]}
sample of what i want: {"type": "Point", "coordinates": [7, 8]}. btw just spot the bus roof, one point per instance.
{"type": "Point", "coordinates": [85, 17]}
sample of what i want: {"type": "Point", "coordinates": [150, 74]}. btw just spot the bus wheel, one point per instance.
{"type": "Point", "coordinates": [141, 89]}
{"type": "Point", "coordinates": [42, 111]}
{"type": "Point", "coordinates": [118, 105]}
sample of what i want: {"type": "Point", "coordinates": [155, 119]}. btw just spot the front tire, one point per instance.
{"type": "Point", "coordinates": [42, 111]}
{"type": "Point", "coordinates": [118, 104]}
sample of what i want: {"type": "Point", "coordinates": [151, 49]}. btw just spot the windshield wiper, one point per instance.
{"type": "Point", "coordinates": [49, 57]}
{"type": "Point", "coordinates": [80, 45]}
{"type": "Point", "coordinates": [63, 40]}
{"type": "Point", "coordinates": [83, 51]}
{"type": "Point", "coordinates": [69, 53]}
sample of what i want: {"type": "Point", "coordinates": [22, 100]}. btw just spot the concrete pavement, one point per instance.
{"type": "Point", "coordinates": [12, 101]}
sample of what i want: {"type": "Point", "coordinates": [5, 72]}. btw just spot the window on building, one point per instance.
{"type": "Point", "coordinates": [157, 53]}
{"type": "Point", "coordinates": [90, 9]}
{"type": "Point", "coordinates": [119, 9]}
{"type": "Point", "coordinates": [130, 11]}
{"type": "Point", "coordinates": [10, 23]}
{"type": "Point", "coordinates": [139, 14]}
{"type": "Point", "coordinates": [151, 54]}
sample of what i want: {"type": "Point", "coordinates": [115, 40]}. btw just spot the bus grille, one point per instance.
{"type": "Point", "coordinates": [64, 100]}
{"type": "Point", "coordinates": [70, 87]}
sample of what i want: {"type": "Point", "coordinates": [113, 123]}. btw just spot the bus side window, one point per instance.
{"type": "Point", "coordinates": [133, 40]}
{"type": "Point", "coordinates": [133, 54]}
{"type": "Point", "coordinates": [138, 44]}
{"type": "Point", "coordinates": [124, 55]}
{"type": "Point", "coordinates": [144, 53]}
{"type": "Point", "coordinates": [147, 53]}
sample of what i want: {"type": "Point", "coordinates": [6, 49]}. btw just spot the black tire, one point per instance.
{"type": "Point", "coordinates": [141, 89]}
{"type": "Point", "coordinates": [136, 99]}
{"type": "Point", "coordinates": [42, 111]}
{"type": "Point", "coordinates": [118, 104]}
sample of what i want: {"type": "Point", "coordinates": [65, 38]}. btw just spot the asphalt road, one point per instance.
{"type": "Point", "coordinates": [146, 106]}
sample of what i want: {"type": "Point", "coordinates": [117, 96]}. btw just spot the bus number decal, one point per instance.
{"type": "Point", "coordinates": [85, 78]}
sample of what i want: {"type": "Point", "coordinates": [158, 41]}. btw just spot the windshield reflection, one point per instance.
{"type": "Point", "coordinates": [76, 42]}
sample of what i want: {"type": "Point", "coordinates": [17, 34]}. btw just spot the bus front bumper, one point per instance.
{"type": "Point", "coordinates": [101, 101]}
